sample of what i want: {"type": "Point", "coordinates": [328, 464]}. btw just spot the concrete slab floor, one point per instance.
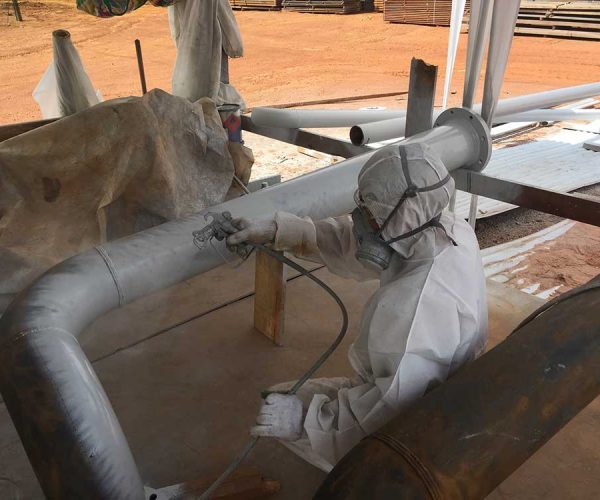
{"type": "Point", "coordinates": [187, 396]}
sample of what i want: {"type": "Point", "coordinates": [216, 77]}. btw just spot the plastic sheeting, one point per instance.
{"type": "Point", "coordinates": [203, 31]}
{"type": "Point", "coordinates": [65, 88]}
{"type": "Point", "coordinates": [108, 171]}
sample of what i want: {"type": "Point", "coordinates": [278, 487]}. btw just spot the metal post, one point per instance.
{"type": "Point", "coordinates": [140, 60]}
{"type": "Point", "coordinates": [17, 10]}
{"type": "Point", "coordinates": [421, 97]}
{"type": "Point", "coordinates": [224, 67]}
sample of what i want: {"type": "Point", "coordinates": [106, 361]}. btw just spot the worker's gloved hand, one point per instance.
{"type": "Point", "coordinates": [280, 417]}
{"type": "Point", "coordinates": [261, 232]}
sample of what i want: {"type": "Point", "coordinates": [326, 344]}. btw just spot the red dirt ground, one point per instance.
{"type": "Point", "coordinates": [289, 56]}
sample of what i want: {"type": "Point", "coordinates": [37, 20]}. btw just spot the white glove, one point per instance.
{"type": "Point", "coordinates": [252, 231]}
{"type": "Point", "coordinates": [280, 417]}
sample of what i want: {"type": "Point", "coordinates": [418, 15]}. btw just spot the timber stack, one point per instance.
{"type": "Point", "coordinates": [378, 5]}
{"type": "Point", "coordinates": [427, 12]}
{"type": "Point", "coordinates": [324, 6]}
{"type": "Point", "coordinates": [255, 4]}
{"type": "Point", "coordinates": [579, 20]}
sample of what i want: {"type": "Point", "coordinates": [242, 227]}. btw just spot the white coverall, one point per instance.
{"type": "Point", "coordinates": [427, 319]}
{"type": "Point", "coordinates": [202, 30]}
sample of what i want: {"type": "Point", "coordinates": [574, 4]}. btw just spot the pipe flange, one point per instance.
{"type": "Point", "coordinates": [465, 118]}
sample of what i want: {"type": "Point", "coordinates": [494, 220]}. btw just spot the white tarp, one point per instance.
{"type": "Point", "coordinates": [65, 87]}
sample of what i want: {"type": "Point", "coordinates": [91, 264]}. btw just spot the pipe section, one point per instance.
{"type": "Point", "coordinates": [369, 133]}
{"type": "Point", "coordinates": [504, 18]}
{"type": "Point", "coordinates": [554, 115]}
{"type": "Point", "coordinates": [479, 29]}
{"type": "Point", "coordinates": [461, 440]}
{"type": "Point", "coordinates": [68, 428]}
{"type": "Point", "coordinates": [320, 118]}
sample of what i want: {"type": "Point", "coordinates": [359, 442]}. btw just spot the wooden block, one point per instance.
{"type": "Point", "coordinates": [244, 484]}
{"type": "Point", "coordinates": [269, 299]}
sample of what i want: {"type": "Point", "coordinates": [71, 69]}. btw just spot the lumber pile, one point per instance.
{"type": "Point", "coordinates": [378, 5]}
{"type": "Point", "coordinates": [255, 4]}
{"type": "Point", "coordinates": [428, 12]}
{"type": "Point", "coordinates": [323, 6]}
{"type": "Point", "coordinates": [579, 20]}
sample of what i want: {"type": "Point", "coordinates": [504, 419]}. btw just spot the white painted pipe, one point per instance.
{"type": "Point", "coordinates": [368, 133]}
{"type": "Point", "coordinates": [554, 115]}
{"type": "Point", "coordinates": [504, 18]}
{"type": "Point", "coordinates": [479, 30]}
{"type": "Point", "coordinates": [458, 10]}
{"type": "Point", "coordinates": [320, 118]}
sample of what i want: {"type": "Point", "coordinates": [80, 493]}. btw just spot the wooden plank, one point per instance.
{"type": "Point", "coordinates": [593, 144]}
{"type": "Point", "coordinates": [243, 484]}
{"type": "Point", "coordinates": [550, 23]}
{"type": "Point", "coordinates": [557, 33]}
{"type": "Point", "coordinates": [269, 298]}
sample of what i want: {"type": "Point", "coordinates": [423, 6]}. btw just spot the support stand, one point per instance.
{"type": "Point", "coordinates": [269, 299]}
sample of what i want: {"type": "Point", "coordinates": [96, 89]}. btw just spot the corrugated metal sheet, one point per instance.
{"type": "Point", "coordinates": [557, 161]}
{"type": "Point", "coordinates": [503, 263]}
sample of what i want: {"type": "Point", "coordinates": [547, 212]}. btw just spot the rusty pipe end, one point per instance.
{"type": "Point", "coordinates": [389, 475]}
{"type": "Point", "coordinates": [61, 34]}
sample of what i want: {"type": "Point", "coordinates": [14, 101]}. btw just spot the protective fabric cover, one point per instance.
{"type": "Point", "coordinates": [428, 318]}
{"type": "Point", "coordinates": [202, 31]}
{"type": "Point", "coordinates": [110, 170]}
{"type": "Point", "coordinates": [65, 88]}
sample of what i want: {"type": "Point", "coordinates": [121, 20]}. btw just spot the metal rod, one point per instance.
{"type": "Point", "coordinates": [465, 437]}
{"type": "Point", "coordinates": [17, 10]}
{"type": "Point", "coordinates": [140, 61]}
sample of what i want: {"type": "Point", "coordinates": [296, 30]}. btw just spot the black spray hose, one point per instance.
{"type": "Point", "coordinates": [302, 380]}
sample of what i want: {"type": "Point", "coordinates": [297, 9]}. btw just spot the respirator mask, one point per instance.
{"type": "Point", "coordinates": [373, 251]}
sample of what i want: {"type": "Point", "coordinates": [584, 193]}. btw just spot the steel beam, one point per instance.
{"type": "Point", "coordinates": [574, 206]}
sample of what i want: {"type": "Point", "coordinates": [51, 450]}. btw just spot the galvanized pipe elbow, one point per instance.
{"type": "Point", "coordinates": [66, 423]}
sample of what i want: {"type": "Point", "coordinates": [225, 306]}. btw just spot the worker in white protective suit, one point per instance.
{"type": "Point", "coordinates": [428, 318]}
{"type": "Point", "coordinates": [205, 33]}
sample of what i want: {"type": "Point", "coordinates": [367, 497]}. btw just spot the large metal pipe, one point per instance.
{"type": "Point", "coordinates": [368, 133]}
{"type": "Point", "coordinates": [65, 421]}
{"type": "Point", "coordinates": [320, 118]}
{"type": "Point", "coordinates": [466, 436]}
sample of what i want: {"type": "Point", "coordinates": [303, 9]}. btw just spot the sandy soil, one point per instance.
{"type": "Point", "coordinates": [289, 56]}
